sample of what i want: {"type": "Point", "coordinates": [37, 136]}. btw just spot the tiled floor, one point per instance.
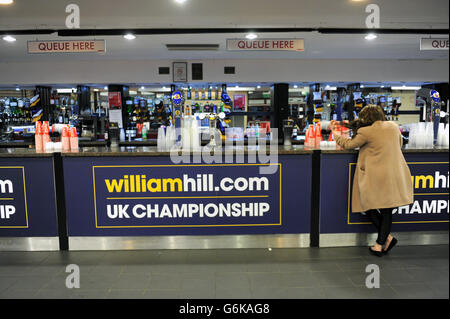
{"type": "Point", "coordinates": [408, 272]}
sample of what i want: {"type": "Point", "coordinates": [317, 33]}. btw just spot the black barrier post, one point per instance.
{"type": "Point", "coordinates": [315, 200]}
{"type": "Point", "coordinates": [60, 202]}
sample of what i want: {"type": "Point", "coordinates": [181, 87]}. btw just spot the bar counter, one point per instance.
{"type": "Point", "coordinates": [96, 199]}
{"type": "Point", "coordinates": [124, 150]}
{"type": "Point", "coordinates": [212, 199]}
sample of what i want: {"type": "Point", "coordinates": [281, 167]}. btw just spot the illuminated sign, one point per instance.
{"type": "Point", "coordinates": [297, 45]}
{"type": "Point", "coordinates": [433, 44]}
{"type": "Point", "coordinates": [177, 98]}
{"type": "Point", "coordinates": [69, 46]}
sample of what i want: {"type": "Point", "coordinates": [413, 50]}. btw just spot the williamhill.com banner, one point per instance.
{"type": "Point", "coordinates": [13, 202]}
{"type": "Point", "coordinates": [189, 195]}
{"type": "Point", "coordinates": [27, 197]}
{"type": "Point", "coordinates": [431, 187]}
{"type": "Point", "coordinates": [150, 196]}
{"type": "Point", "coordinates": [430, 210]}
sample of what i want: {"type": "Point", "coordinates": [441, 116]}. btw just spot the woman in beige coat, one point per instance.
{"type": "Point", "coordinates": [382, 178]}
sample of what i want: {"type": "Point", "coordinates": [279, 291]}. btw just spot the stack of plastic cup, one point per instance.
{"type": "Point", "coordinates": [171, 136]}
{"type": "Point", "coordinates": [311, 136]}
{"type": "Point", "coordinates": [195, 135]}
{"type": "Point", "coordinates": [411, 136]}
{"type": "Point", "coordinates": [419, 132]}
{"type": "Point", "coordinates": [446, 137]}
{"type": "Point", "coordinates": [161, 141]}
{"type": "Point", "coordinates": [38, 137]}
{"type": "Point", "coordinates": [442, 139]}
{"type": "Point", "coordinates": [441, 135]}
{"type": "Point", "coordinates": [73, 139]}
{"type": "Point", "coordinates": [429, 135]}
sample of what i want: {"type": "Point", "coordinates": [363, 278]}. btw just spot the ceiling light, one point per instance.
{"type": "Point", "coordinates": [241, 89]}
{"type": "Point", "coordinates": [17, 89]}
{"type": "Point", "coordinates": [105, 88]}
{"type": "Point", "coordinates": [180, 1]}
{"type": "Point", "coordinates": [142, 88]}
{"type": "Point", "coordinates": [361, 86]}
{"type": "Point", "coordinates": [295, 86]}
{"type": "Point", "coordinates": [64, 90]}
{"type": "Point", "coordinates": [251, 36]}
{"type": "Point", "coordinates": [9, 38]}
{"type": "Point", "coordinates": [371, 36]}
{"type": "Point", "coordinates": [129, 36]}
{"type": "Point", "coordinates": [258, 87]}
{"type": "Point", "coordinates": [404, 87]}
{"type": "Point", "coordinates": [6, 1]}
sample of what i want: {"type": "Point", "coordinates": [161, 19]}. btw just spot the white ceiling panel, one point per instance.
{"type": "Point", "coordinates": [31, 14]}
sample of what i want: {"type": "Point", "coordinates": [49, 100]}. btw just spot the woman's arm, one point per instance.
{"type": "Point", "coordinates": [348, 144]}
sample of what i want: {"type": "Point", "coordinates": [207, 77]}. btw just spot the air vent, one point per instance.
{"type": "Point", "coordinates": [164, 70]}
{"type": "Point", "coordinates": [197, 71]}
{"type": "Point", "coordinates": [230, 70]}
{"type": "Point", "coordinates": [192, 47]}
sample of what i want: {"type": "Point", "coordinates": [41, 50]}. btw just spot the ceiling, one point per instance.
{"type": "Point", "coordinates": [32, 14]}
{"type": "Point", "coordinates": [104, 14]}
{"type": "Point", "coordinates": [118, 14]}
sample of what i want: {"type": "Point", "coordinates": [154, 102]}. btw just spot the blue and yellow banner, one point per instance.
{"type": "Point", "coordinates": [130, 197]}
{"type": "Point", "coordinates": [430, 177]}
{"type": "Point", "coordinates": [27, 197]}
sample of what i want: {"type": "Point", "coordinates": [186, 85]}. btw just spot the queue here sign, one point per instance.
{"type": "Point", "coordinates": [266, 45]}
{"type": "Point", "coordinates": [434, 44]}
{"type": "Point", "coordinates": [67, 46]}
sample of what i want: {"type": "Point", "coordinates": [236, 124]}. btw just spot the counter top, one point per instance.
{"type": "Point", "coordinates": [153, 151]}
{"type": "Point", "coordinates": [22, 152]}
{"type": "Point", "coordinates": [100, 151]}
{"type": "Point", "coordinates": [436, 149]}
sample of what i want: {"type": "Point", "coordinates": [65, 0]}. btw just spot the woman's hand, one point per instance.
{"type": "Point", "coordinates": [333, 127]}
{"type": "Point", "coordinates": [333, 124]}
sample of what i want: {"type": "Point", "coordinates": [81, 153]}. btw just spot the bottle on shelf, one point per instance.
{"type": "Point", "coordinates": [60, 116]}
{"type": "Point", "coordinates": [66, 117]}
{"type": "Point", "coordinates": [52, 98]}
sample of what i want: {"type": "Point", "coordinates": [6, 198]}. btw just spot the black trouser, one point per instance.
{"type": "Point", "coordinates": [382, 220]}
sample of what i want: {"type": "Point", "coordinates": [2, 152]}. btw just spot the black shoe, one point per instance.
{"type": "Point", "coordinates": [376, 253]}
{"type": "Point", "coordinates": [394, 242]}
